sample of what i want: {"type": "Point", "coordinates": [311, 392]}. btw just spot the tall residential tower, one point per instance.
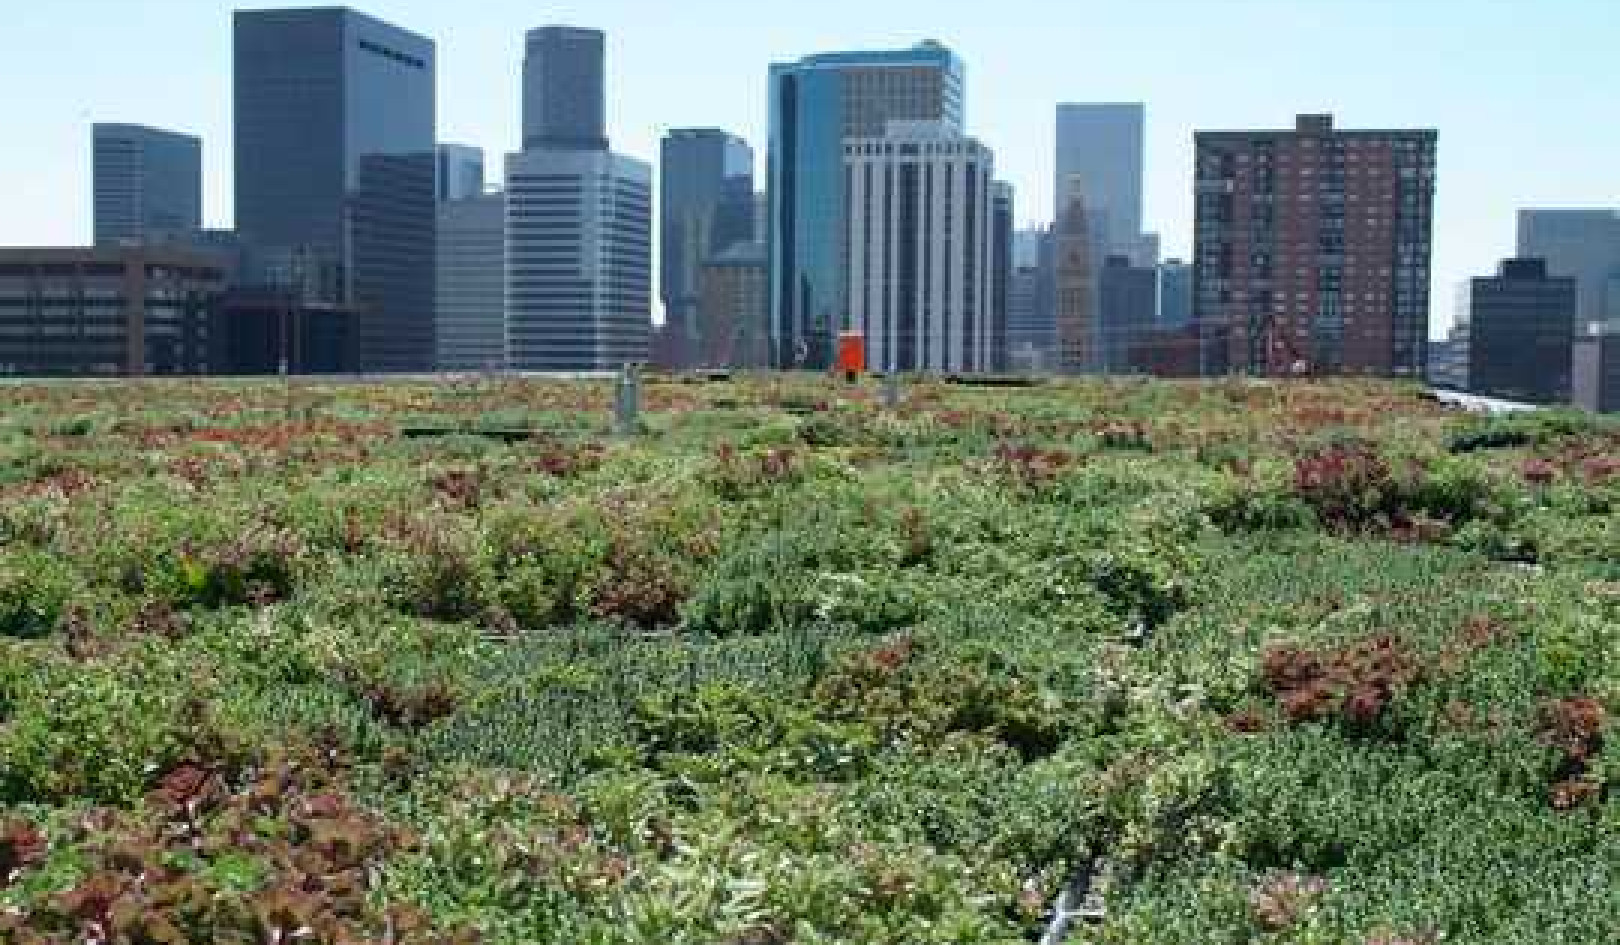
{"type": "Point", "coordinates": [1313, 247]}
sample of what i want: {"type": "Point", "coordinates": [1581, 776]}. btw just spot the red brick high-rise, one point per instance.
{"type": "Point", "coordinates": [1313, 248]}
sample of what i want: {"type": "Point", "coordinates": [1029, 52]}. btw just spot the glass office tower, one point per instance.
{"type": "Point", "coordinates": [705, 207]}
{"type": "Point", "coordinates": [1100, 143]}
{"type": "Point", "coordinates": [335, 170]}
{"type": "Point", "coordinates": [564, 97]}
{"type": "Point", "coordinates": [148, 185]}
{"type": "Point", "coordinates": [816, 103]}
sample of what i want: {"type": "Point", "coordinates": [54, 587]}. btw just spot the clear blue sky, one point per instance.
{"type": "Point", "coordinates": [1525, 93]}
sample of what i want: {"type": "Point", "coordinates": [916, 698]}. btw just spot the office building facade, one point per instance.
{"type": "Point", "coordinates": [147, 185]}
{"type": "Point", "coordinates": [336, 169]}
{"type": "Point", "coordinates": [817, 103]}
{"type": "Point", "coordinates": [1522, 334]}
{"type": "Point", "coordinates": [1175, 294]}
{"type": "Point", "coordinates": [565, 90]}
{"type": "Point", "coordinates": [460, 172]}
{"type": "Point", "coordinates": [110, 311]}
{"type": "Point", "coordinates": [1102, 145]}
{"type": "Point", "coordinates": [1580, 243]}
{"type": "Point", "coordinates": [1313, 248]}
{"type": "Point", "coordinates": [470, 320]}
{"type": "Point", "coordinates": [579, 260]}
{"type": "Point", "coordinates": [734, 310]}
{"type": "Point", "coordinates": [705, 207]}
{"type": "Point", "coordinates": [921, 228]}
{"type": "Point", "coordinates": [1128, 305]}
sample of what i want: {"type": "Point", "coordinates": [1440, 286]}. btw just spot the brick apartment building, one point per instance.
{"type": "Point", "coordinates": [1313, 248]}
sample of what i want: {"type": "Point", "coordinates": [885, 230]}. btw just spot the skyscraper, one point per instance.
{"type": "Point", "coordinates": [579, 260]}
{"type": "Point", "coordinates": [705, 207]}
{"type": "Point", "coordinates": [148, 185]}
{"type": "Point", "coordinates": [1075, 273]}
{"type": "Point", "coordinates": [1313, 247]}
{"type": "Point", "coordinates": [335, 169]}
{"type": "Point", "coordinates": [1522, 334]}
{"type": "Point", "coordinates": [470, 317]}
{"type": "Point", "coordinates": [1583, 244]}
{"type": "Point", "coordinates": [1101, 144]}
{"type": "Point", "coordinates": [460, 171]}
{"type": "Point", "coordinates": [816, 103]}
{"type": "Point", "coordinates": [578, 220]}
{"type": "Point", "coordinates": [564, 91]}
{"type": "Point", "coordinates": [921, 254]}
{"type": "Point", "coordinates": [1002, 230]}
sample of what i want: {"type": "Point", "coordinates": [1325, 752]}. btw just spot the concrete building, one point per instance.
{"type": "Point", "coordinates": [1003, 214]}
{"type": "Point", "coordinates": [1313, 247]}
{"type": "Point", "coordinates": [336, 169]}
{"type": "Point", "coordinates": [1076, 283]}
{"type": "Point", "coordinates": [705, 207]}
{"type": "Point", "coordinates": [817, 103]}
{"type": "Point", "coordinates": [148, 185]}
{"type": "Point", "coordinates": [1101, 145]}
{"type": "Point", "coordinates": [921, 226]}
{"type": "Point", "coordinates": [112, 311]}
{"type": "Point", "coordinates": [460, 172]}
{"type": "Point", "coordinates": [564, 90]}
{"type": "Point", "coordinates": [1583, 244]}
{"type": "Point", "coordinates": [1128, 306]}
{"type": "Point", "coordinates": [733, 309]}
{"type": "Point", "coordinates": [470, 317]}
{"type": "Point", "coordinates": [1031, 316]}
{"type": "Point", "coordinates": [579, 260]}
{"type": "Point", "coordinates": [1522, 334]}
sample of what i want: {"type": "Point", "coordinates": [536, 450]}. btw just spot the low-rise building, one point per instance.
{"type": "Point", "coordinates": [111, 311]}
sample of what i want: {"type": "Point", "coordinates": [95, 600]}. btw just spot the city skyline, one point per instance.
{"type": "Point", "coordinates": [1423, 75]}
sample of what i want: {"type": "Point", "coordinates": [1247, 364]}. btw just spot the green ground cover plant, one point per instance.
{"type": "Point", "coordinates": [1293, 663]}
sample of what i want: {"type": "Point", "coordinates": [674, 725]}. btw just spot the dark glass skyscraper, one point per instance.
{"type": "Point", "coordinates": [816, 103]}
{"type": "Point", "coordinates": [1522, 343]}
{"type": "Point", "coordinates": [564, 99]}
{"type": "Point", "coordinates": [705, 207]}
{"type": "Point", "coordinates": [1581, 243]}
{"type": "Point", "coordinates": [335, 169]}
{"type": "Point", "coordinates": [148, 185]}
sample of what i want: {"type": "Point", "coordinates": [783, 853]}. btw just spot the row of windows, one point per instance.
{"type": "Point", "coordinates": [395, 55]}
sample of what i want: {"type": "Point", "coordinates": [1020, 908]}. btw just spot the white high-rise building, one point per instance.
{"type": "Point", "coordinates": [920, 248]}
{"type": "Point", "coordinates": [470, 314]}
{"type": "Point", "coordinates": [578, 260]}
